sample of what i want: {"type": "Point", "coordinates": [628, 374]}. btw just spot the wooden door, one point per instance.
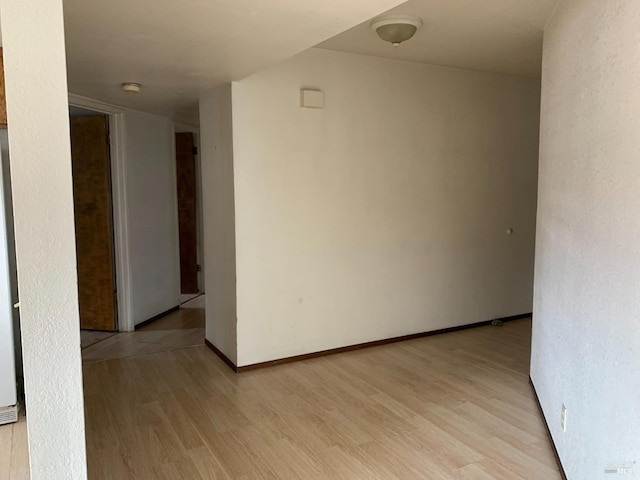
{"type": "Point", "coordinates": [94, 222]}
{"type": "Point", "coordinates": [186, 177]}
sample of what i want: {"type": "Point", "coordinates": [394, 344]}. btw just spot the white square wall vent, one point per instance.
{"type": "Point", "coordinates": [8, 414]}
{"type": "Point", "coordinates": [311, 98]}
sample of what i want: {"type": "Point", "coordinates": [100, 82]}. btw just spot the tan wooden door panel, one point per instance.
{"type": "Point", "coordinates": [186, 177]}
{"type": "Point", "coordinates": [94, 222]}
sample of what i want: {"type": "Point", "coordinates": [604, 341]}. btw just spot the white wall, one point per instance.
{"type": "Point", "coordinates": [152, 214]}
{"type": "Point", "coordinates": [219, 219]}
{"type": "Point", "coordinates": [36, 88]}
{"type": "Point", "coordinates": [586, 340]}
{"type": "Point", "coordinates": [385, 213]}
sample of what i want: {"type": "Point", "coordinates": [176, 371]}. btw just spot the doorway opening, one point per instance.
{"type": "Point", "coordinates": [93, 214]}
{"type": "Point", "coordinates": [189, 230]}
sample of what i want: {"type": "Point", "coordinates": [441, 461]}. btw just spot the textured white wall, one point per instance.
{"type": "Point", "coordinates": [216, 143]}
{"type": "Point", "coordinates": [586, 340]}
{"type": "Point", "coordinates": [385, 213]}
{"type": "Point", "coordinates": [153, 214]}
{"type": "Point", "coordinates": [36, 87]}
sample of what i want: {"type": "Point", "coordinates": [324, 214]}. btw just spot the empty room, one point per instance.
{"type": "Point", "coordinates": [354, 240]}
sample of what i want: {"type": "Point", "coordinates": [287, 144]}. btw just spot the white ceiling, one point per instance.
{"type": "Point", "coordinates": [178, 49]}
{"type": "Point", "coordinates": [502, 36]}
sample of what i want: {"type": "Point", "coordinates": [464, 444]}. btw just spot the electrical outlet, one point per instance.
{"type": "Point", "coordinates": [563, 418]}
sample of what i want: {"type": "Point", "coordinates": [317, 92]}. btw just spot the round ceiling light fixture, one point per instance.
{"type": "Point", "coordinates": [130, 87]}
{"type": "Point", "coordinates": [396, 29]}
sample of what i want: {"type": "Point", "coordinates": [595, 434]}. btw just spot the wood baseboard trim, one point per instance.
{"type": "Point", "coordinates": [222, 356]}
{"type": "Point", "coordinates": [349, 348]}
{"type": "Point", "coordinates": [156, 317]}
{"type": "Point", "coordinates": [546, 425]}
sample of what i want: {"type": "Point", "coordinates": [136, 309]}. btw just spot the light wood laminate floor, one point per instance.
{"type": "Point", "coordinates": [453, 406]}
{"type": "Point", "coordinates": [180, 329]}
{"type": "Point", "coordinates": [14, 451]}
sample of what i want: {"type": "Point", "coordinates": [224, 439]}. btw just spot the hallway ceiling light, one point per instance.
{"type": "Point", "coordinates": [396, 29]}
{"type": "Point", "coordinates": [130, 87]}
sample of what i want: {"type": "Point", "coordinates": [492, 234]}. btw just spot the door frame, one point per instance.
{"type": "Point", "coordinates": [119, 201]}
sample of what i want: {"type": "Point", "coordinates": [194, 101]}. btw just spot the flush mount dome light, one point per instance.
{"type": "Point", "coordinates": [130, 87]}
{"type": "Point", "coordinates": [396, 29]}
